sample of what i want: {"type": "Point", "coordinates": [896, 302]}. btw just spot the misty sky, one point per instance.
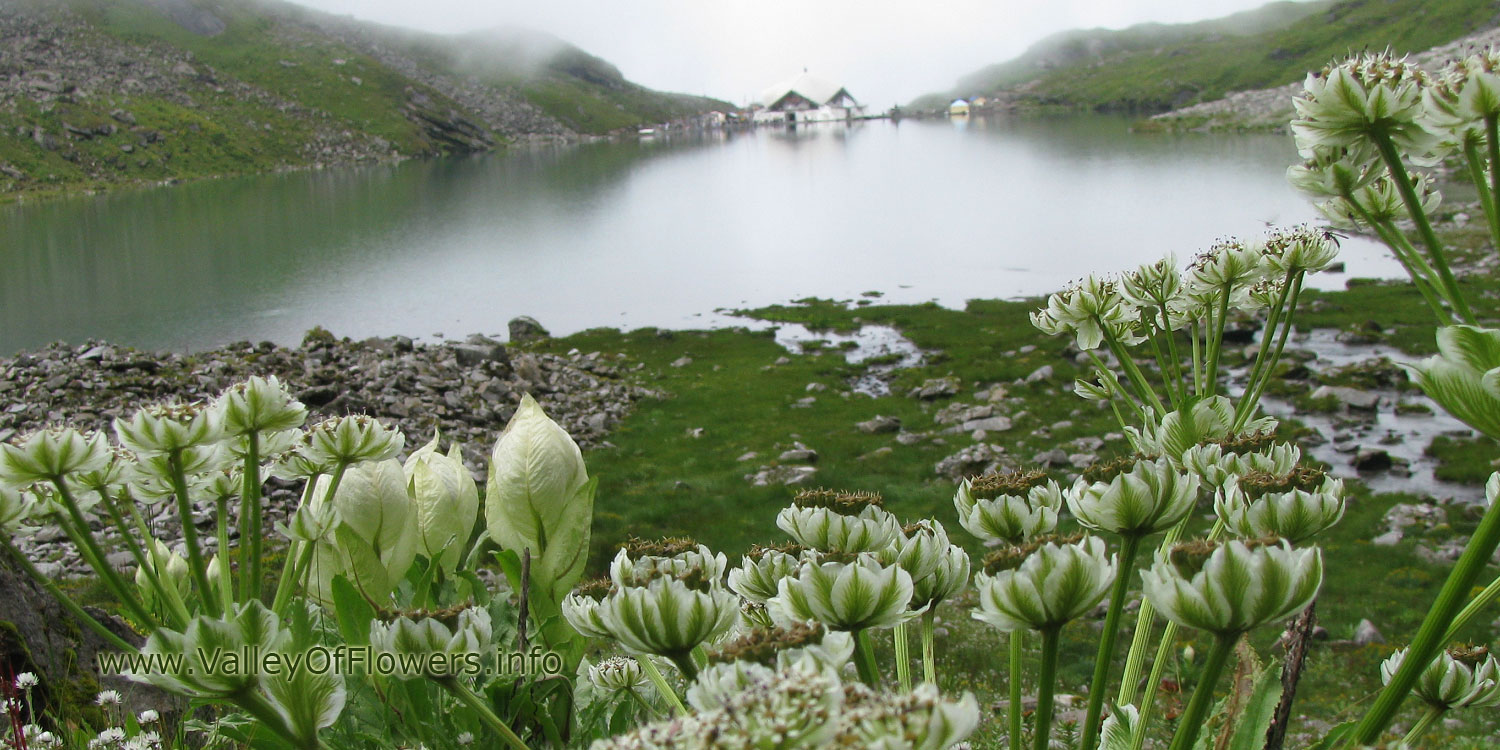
{"type": "Point", "coordinates": [885, 51]}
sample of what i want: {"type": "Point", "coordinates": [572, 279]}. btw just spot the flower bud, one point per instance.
{"type": "Point", "coordinates": [445, 500]}
{"type": "Point", "coordinates": [51, 455]}
{"type": "Point", "coordinates": [1151, 497]}
{"type": "Point", "coordinates": [259, 405]}
{"type": "Point", "coordinates": [165, 428]}
{"type": "Point", "coordinates": [1237, 588]}
{"type": "Point", "coordinates": [1054, 585]}
{"type": "Point", "coordinates": [845, 596]}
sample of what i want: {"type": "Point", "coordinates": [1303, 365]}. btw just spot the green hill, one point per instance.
{"type": "Point", "coordinates": [1155, 67]}
{"type": "Point", "coordinates": [100, 92]}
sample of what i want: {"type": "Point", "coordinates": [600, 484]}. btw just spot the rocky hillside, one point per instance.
{"type": "Point", "coordinates": [1271, 109]}
{"type": "Point", "coordinates": [98, 92]}
{"type": "Point", "coordinates": [1152, 68]}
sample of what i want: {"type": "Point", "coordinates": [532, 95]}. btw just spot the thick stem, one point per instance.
{"type": "Point", "coordinates": [1424, 226]}
{"type": "Point", "coordinates": [196, 566]}
{"type": "Point", "coordinates": [1430, 637]}
{"type": "Point", "coordinates": [66, 601]}
{"type": "Point", "coordinates": [291, 572]}
{"type": "Point", "coordinates": [1420, 728]}
{"type": "Point", "coordinates": [1197, 336]}
{"type": "Point", "coordinates": [1197, 709]}
{"type": "Point", "coordinates": [166, 588]}
{"type": "Point", "coordinates": [1482, 187]}
{"type": "Point", "coordinates": [929, 657]}
{"type": "Point", "coordinates": [1472, 610]}
{"type": "Point", "coordinates": [226, 579]}
{"type": "Point", "coordinates": [1216, 345]}
{"type": "Point", "coordinates": [478, 706]}
{"type": "Point", "coordinates": [864, 658]}
{"type": "Point", "coordinates": [902, 645]}
{"type": "Point", "coordinates": [1137, 378]}
{"type": "Point", "coordinates": [685, 665]}
{"type": "Point", "coordinates": [83, 537]}
{"type": "Point", "coordinates": [1107, 377]}
{"type": "Point", "coordinates": [1258, 387]}
{"type": "Point", "coordinates": [1257, 370]}
{"type": "Point", "coordinates": [1102, 661]}
{"type": "Point", "coordinates": [250, 522]}
{"type": "Point", "coordinates": [1013, 708]}
{"type": "Point", "coordinates": [1135, 659]}
{"type": "Point", "coordinates": [654, 676]}
{"type": "Point", "coordinates": [1041, 738]}
{"type": "Point", "coordinates": [1492, 140]}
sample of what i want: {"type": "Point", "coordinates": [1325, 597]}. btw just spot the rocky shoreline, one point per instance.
{"type": "Point", "coordinates": [467, 389]}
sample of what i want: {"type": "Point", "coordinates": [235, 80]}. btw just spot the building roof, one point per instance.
{"type": "Point", "coordinates": [806, 85]}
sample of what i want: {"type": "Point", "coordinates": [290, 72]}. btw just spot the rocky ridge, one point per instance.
{"type": "Point", "coordinates": [465, 389]}
{"type": "Point", "coordinates": [1271, 109]}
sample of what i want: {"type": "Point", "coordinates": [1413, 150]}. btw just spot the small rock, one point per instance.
{"type": "Point", "coordinates": [1039, 374]}
{"type": "Point", "coordinates": [1054, 457]}
{"type": "Point", "coordinates": [748, 456]}
{"type": "Point", "coordinates": [802, 455]}
{"type": "Point", "coordinates": [526, 328]}
{"type": "Point", "coordinates": [879, 424]}
{"type": "Point", "coordinates": [1388, 539]}
{"type": "Point", "coordinates": [1365, 633]}
{"type": "Point", "coordinates": [695, 432]}
{"type": "Point", "coordinates": [782, 475]}
{"type": "Point", "coordinates": [1371, 459]}
{"type": "Point", "coordinates": [935, 388]}
{"type": "Point", "coordinates": [992, 424]}
{"type": "Point", "coordinates": [681, 362]}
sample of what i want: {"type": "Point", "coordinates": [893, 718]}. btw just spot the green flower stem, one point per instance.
{"type": "Point", "coordinates": [1105, 373]}
{"type": "Point", "coordinates": [1013, 706]}
{"type": "Point", "coordinates": [1135, 659]}
{"type": "Point", "coordinates": [1482, 186]}
{"type": "Point", "coordinates": [1175, 358]}
{"type": "Point", "coordinates": [864, 658]}
{"type": "Point", "coordinates": [1166, 369]}
{"type": "Point", "coordinates": [1197, 709]}
{"type": "Point", "coordinates": [265, 713]}
{"type": "Point", "coordinates": [929, 658]}
{"type": "Point", "coordinates": [1472, 609]}
{"type": "Point", "coordinates": [1252, 397]}
{"type": "Point", "coordinates": [66, 601]}
{"type": "Point", "coordinates": [685, 665]}
{"type": "Point", "coordinates": [902, 645]}
{"type": "Point", "coordinates": [666, 692]}
{"type": "Point", "coordinates": [1042, 731]}
{"type": "Point", "coordinates": [1412, 262]}
{"type": "Point", "coordinates": [1492, 139]}
{"type": "Point", "coordinates": [167, 589]}
{"type": "Point", "coordinates": [1420, 728]}
{"type": "Point", "coordinates": [651, 710]}
{"type": "Point", "coordinates": [250, 522]}
{"type": "Point", "coordinates": [1153, 684]}
{"type": "Point", "coordinates": [83, 538]}
{"type": "Point", "coordinates": [1216, 345]}
{"type": "Point", "coordinates": [1128, 547]}
{"type": "Point", "coordinates": [1424, 227]}
{"type": "Point", "coordinates": [299, 557]}
{"type": "Point", "coordinates": [486, 714]}
{"type": "Point", "coordinates": [196, 566]}
{"type": "Point", "coordinates": [1257, 370]}
{"type": "Point", "coordinates": [1197, 337]}
{"type": "Point", "coordinates": [1133, 372]}
{"type": "Point", "coordinates": [226, 580]}
{"type": "Point", "coordinates": [178, 613]}
{"type": "Point", "coordinates": [1430, 636]}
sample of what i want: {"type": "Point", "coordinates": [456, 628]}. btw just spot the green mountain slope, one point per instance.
{"type": "Point", "coordinates": [98, 92]}
{"type": "Point", "coordinates": [1155, 67]}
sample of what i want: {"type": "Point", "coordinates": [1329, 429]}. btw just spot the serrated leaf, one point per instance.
{"type": "Point", "coordinates": [1258, 711]}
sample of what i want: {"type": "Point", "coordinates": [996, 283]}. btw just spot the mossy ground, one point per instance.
{"type": "Point", "coordinates": [673, 468]}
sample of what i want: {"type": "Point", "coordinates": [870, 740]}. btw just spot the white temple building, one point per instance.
{"type": "Point", "coordinates": [805, 98]}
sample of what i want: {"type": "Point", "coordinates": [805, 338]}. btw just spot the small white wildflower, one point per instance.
{"type": "Point", "coordinates": [149, 716]}
{"type": "Point", "coordinates": [465, 738]}
{"type": "Point", "coordinates": [107, 698]}
{"type": "Point", "coordinates": [111, 736]}
{"type": "Point", "coordinates": [26, 681]}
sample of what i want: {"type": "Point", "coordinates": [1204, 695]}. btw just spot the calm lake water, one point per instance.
{"type": "Point", "coordinates": [660, 232]}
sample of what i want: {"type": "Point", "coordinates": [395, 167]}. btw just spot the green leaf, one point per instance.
{"type": "Point", "coordinates": [1337, 736]}
{"type": "Point", "coordinates": [353, 613]}
{"type": "Point", "coordinates": [1257, 712]}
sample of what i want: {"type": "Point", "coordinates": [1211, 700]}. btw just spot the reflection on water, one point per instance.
{"type": "Point", "coordinates": [651, 233]}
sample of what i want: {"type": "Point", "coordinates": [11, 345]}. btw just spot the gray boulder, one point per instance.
{"type": "Point", "coordinates": [526, 328]}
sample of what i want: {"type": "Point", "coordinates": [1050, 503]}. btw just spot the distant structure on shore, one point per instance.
{"type": "Point", "coordinates": [806, 98]}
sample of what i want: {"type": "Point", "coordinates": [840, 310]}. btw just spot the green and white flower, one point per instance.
{"type": "Point", "coordinates": [827, 529]}
{"type": "Point", "coordinates": [431, 647]}
{"type": "Point", "coordinates": [919, 720]}
{"type": "Point", "coordinates": [948, 580]}
{"type": "Point", "coordinates": [918, 549]}
{"type": "Point", "coordinates": [196, 650]}
{"type": "Point", "coordinates": [539, 497]}
{"type": "Point", "coordinates": [1300, 249]}
{"type": "Point", "coordinates": [445, 500]}
{"type": "Point", "coordinates": [1055, 584]}
{"type": "Point", "coordinates": [1010, 507]}
{"type": "Point", "coordinates": [342, 441]}
{"type": "Point", "coordinates": [1457, 678]}
{"type": "Point", "coordinates": [1215, 462]}
{"type": "Point", "coordinates": [1153, 496]}
{"type": "Point", "coordinates": [669, 558]}
{"type": "Point", "coordinates": [169, 568]}
{"type": "Point", "coordinates": [1176, 432]}
{"type": "Point", "coordinates": [1229, 265]}
{"type": "Point", "coordinates": [759, 575]}
{"type": "Point", "coordinates": [1464, 93]}
{"type": "Point", "coordinates": [51, 455]}
{"type": "Point", "coordinates": [667, 617]}
{"type": "Point", "coordinates": [1295, 515]}
{"type": "Point", "coordinates": [617, 674]}
{"type": "Point", "coordinates": [1088, 309]}
{"type": "Point", "coordinates": [845, 596]}
{"type": "Point", "coordinates": [259, 405]}
{"type": "Point", "coordinates": [1346, 104]}
{"type": "Point", "coordinates": [375, 542]}
{"type": "Point", "coordinates": [718, 683]}
{"type": "Point", "coordinates": [165, 428]}
{"type": "Point", "coordinates": [15, 507]}
{"type": "Point", "coordinates": [1236, 587]}
{"type": "Point", "coordinates": [1464, 376]}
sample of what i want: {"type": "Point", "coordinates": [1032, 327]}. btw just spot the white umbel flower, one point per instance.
{"type": "Point", "coordinates": [1153, 496]}
{"type": "Point", "coordinates": [826, 529]}
{"type": "Point", "coordinates": [1295, 515]}
{"type": "Point", "coordinates": [1055, 584]}
{"type": "Point", "coordinates": [1457, 678]}
{"type": "Point", "coordinates": [1237, 588]}
{"type": "Point", "coordinates": [845, 596]}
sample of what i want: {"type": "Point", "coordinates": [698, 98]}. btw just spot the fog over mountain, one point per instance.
{"type": "Point", "coordinates": [885, 51]}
